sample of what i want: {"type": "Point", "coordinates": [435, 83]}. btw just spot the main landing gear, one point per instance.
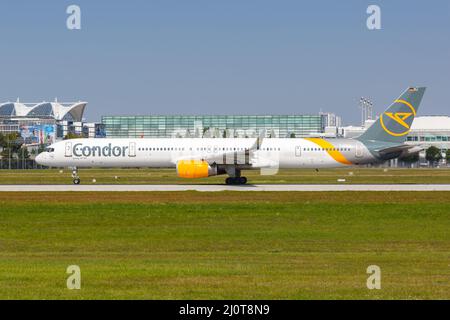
{"type": "Point", "coordinates": [76, 178]}
{"type": "Point", "coordinates": [236, 180]}
{"type": "Point", "coordinates": [234, 176]}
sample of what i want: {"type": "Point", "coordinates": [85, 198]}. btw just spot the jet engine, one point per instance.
{"type": "Point", "coordinates": [192, 169]}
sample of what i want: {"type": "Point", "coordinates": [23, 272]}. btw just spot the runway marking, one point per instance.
{"type": "Point", "coordinates": [218, 188]}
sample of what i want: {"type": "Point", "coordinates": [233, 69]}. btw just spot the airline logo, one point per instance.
{"type": "Point", "coordinates": [99, 151]}
{"type": "Point", "coordinates": [400, 117]}
{"type": "Point", "coordinates": [398, 124]}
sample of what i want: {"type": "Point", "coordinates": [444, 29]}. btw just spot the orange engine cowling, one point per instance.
{"type": "Point", "coordinates": [192, 169]}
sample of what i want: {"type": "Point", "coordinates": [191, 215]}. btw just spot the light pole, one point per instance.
{"type": "Point", "coordinates": [366, 106]}
{"type": "Point", "coordinates": [9, 153]}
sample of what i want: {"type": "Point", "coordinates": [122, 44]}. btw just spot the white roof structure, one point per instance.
{"type": "Point", "coordinates": [431, 123]}
{"type": "Point", "coordinates": [422, 126]}
{"type": "Point", "coordinates": [53, 110]}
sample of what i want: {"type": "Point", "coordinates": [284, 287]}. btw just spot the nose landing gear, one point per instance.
{"type": "Point", "coordinates": [75, 177]}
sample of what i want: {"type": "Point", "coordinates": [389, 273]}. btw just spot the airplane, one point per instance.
{"type": "Point", "coordinates": [204, 157]}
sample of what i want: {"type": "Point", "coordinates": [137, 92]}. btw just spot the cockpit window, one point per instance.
{"type": "Point", "coordinates": [50, 150]}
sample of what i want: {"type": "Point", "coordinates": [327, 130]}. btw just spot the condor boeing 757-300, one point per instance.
{"type": "Point", "coordinates": [201, 157]}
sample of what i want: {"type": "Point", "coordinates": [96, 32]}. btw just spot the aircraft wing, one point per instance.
{"type": "Point", "coordinates": [229, 157]}
{"type": "Point", "coordinates": [245, 156]}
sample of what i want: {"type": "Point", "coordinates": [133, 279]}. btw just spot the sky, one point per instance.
{"type": "Point", "coordinates": [141, 57]}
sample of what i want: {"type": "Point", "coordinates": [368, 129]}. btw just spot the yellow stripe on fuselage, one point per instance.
{"type": "Point", "coordinates": [331, 150]}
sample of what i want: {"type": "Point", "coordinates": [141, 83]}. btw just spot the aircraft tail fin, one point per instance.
{"type": "Point", "coordinates": [394, 124]}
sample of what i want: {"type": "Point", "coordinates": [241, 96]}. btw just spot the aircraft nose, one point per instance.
{"type": "Point", "coordinates": [40, 159]}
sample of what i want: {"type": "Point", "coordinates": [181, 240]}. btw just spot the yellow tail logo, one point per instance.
{"type": "Point", "coordinates": [400, 117]}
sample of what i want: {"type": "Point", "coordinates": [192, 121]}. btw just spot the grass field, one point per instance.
{"type": "Point", "coordinates": [168, 176]}
{"type": "Point", "coordinates": [230, 245]}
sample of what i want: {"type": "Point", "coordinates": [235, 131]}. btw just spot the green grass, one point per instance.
{"type": "Point", "coordinates": [168, 176]}
{"type": "Point", "coordinates": [226, 245]}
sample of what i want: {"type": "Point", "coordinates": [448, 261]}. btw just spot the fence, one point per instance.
{"type": "Point", "coordinates": [19, 164]}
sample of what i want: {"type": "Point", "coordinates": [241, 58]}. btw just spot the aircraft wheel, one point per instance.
{"type": "Point", "coordinates": [235, 180]}
{"type": "Point", "coordinates": [76, 181]}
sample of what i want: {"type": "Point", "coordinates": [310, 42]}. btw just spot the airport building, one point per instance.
{"type": "Point", "coordinates": [46, 122]}
{"type": "Point", "coordinates": [211, 126]}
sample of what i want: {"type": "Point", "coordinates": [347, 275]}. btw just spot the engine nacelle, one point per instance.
{"type": "Point", "coordinates": [192, 169]}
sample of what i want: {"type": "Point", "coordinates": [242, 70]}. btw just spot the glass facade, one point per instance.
{"type": "Point", "coordinates": [429, 138]}
{"type": "Point", "coordinates": [212, 126]}
{"type": "Point", "coordinates": [7, 110]}
{"type": "Point", "coordinates": [43, 110]}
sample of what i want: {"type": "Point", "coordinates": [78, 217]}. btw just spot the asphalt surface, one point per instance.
{"type": "Point", "coordinates": [215, 188]}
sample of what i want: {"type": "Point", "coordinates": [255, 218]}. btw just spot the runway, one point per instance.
{"type": "Point", "coordinates": [217, 188]}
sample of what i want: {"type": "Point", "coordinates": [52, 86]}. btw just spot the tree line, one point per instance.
{"type": "Point", "coordinates": [433, 155]}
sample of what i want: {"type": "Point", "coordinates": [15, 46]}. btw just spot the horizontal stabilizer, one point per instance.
{"type": "Point", "coordinates": [401, 148]}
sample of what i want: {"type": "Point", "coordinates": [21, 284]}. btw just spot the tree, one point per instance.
{"type": "Point", "coordinates": [72, 135]}
{"type": "Point", "coordinates": [41, 148]}
{"type": "Point", "coordinates": [10, 143]}
{"type": "Point", "coordinates": [433, 155]}
{"type": "Point", "coordinates": [2, 140]}
{"type": "Point", "coordinates": [447, 155]}
{"type": "Point", "coordinates": [23, 153]}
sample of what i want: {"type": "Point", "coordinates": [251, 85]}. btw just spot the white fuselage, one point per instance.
{"type": "Point", "coordinates": [165, 153]}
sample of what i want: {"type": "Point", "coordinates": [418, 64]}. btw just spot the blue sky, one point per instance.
{"type": "Point", "coordinates": [225, 57]}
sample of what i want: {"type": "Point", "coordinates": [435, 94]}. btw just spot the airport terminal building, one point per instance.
{"type": "Point", "coordinates": [44, 123]}
{"type": "Point", "coordinates": [211, 126]}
